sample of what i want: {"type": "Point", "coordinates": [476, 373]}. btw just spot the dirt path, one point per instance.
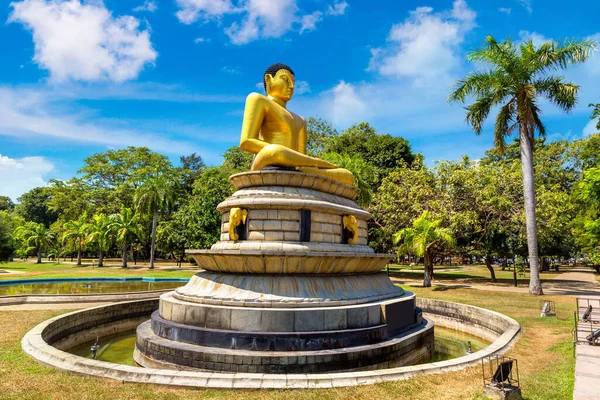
{"type": "Point", "coordinates": [577, 282]}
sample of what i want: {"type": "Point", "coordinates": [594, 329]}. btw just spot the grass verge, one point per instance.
{"type": "Point", "coordinates": [543, 351]}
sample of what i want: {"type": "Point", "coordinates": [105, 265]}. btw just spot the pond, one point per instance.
{"type": "Point", "coordinates": [118, 348]}
{"type": "Point", "coordinates": [87, 285]}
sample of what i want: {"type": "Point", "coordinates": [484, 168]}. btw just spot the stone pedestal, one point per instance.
{"type": "Point", "coordinates": [290, 295]}
{"type": "Point", "coordinates": [508, 392]}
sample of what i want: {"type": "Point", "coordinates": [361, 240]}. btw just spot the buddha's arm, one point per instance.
{"type": "Point", "coordinates": [302, 138]}
{"type": "Point", "coordinates": [254, 113]}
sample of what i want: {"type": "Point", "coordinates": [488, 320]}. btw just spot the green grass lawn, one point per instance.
{"type": "Point", "coordinates": [544, 354]}
{"type": "Point", "coordinates": [54, 270]}
{"type": "Point", "coordinates": [474, 274]}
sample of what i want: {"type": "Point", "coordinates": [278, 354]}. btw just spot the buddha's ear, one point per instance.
{"type": "Point", "coordinates": [268, 80]}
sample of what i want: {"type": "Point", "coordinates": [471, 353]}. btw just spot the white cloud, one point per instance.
{"type": "Point", "coordinates": [230, 70]}
{"type": "Point", "coordinates": [505, 10]}
{"type": "Point", "coordinates": [527, 5]}
{"type": "Point", "coordinates": [192, 10]}
{"type": "Point", "coordinates": [201, 40]}
{"type": "Point", "coordinates": [255, 19]}
{"type": "Point", "coordinates": [590, 128]}
{"type": "Point", "coordinates": [19, 175]}
{"type": "Point", "coordinates": [264, 19]}
{"type": "Point", "coordinates": [301, 87]}
{"type": "Point", "coordinates": [426, 45]}
{"type": "Point", "coordinates": [308, 22]}
{"type": "Point", "coordinates": [338, 8]}
{"type": "Point", "coordinates": [344, 104]}
{"type": "Point", "coordinates": [84, 41]}
{"type": "Point", "coordinates": [37, 114]}
{"type": "Point", "coordinates": [592, 65]}
{"type": "Point", "coordinates": [536, 38]}
{"type": "Point", "coordinates": [149, 5]}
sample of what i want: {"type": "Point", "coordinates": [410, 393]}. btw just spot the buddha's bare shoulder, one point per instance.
{"type": "Point", "coordinates": [256, 98]}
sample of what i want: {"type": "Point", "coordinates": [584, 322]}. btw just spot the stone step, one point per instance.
{"type": "Point", "coordinates": [153, 351]}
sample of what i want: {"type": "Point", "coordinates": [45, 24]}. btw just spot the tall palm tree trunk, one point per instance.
{"type": "Point", "coordinates": [154, 222]}
{"type": "Point", "coordinates": [101, 258]}
{"type": "Point", "coordinates": [79, 255]}
{"type": "Point", "coordinates": [428, 269]}
{"type": "Point", "coordinates": [39, 255]}
{"type": "Point", "coordinates": [124, 261]}
{"type": "Point", "coordinates": [535, 287]}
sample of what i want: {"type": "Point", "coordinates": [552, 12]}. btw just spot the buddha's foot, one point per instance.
{"type": "Point", "coordinates": [337, 174]}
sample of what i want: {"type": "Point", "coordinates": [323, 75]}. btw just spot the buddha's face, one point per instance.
{"type": "Point", "coordinates": [281, 85]}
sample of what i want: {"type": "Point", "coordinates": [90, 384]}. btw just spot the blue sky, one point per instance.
{"type": "Point", "coordinates": [80, 77]}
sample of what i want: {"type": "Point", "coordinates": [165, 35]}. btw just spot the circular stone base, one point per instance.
{"type": "Point", "coordinates": [153, 351]}
{"type": "Point", "coordinates": [284, 291]}
{"type": "Point", "coordinates": [272, 258]}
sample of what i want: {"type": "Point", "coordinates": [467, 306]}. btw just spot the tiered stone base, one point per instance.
{"type": "Point", "coordinates": [185, 335]}
{"type": "Point", "coordinates": [292, 287]}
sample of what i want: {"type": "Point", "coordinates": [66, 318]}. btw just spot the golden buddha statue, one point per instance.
{"type": "Point", "coordinates": [278, 136]}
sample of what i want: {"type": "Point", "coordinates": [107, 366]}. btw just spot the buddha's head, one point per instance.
{"type": "Point", "coordinates": [279, 81]}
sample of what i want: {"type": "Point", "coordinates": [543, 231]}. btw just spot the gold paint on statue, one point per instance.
{"type": "Point", "coordinates": [350, 223]}
{"type": "Point", "coordinates": [278, 136]}
{"type": "Point", "coordinates": [236, 217]}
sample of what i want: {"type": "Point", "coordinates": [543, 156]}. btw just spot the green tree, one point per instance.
{"type": "Point", "coordinates": [171, 237]}
{"type": "Point", "coordinates": [318, 134]}
{"type": "Point", "coordinates": [71, 199]}
{"type": "Point", "coordinates": [6, 204]}
{"type": "Point", "coordinates": [237, 160]}
{"type": "Point", "coordinates": [200, 215]}
{"type": "Point", "coordinates": [76, 231]}
{"type": "Point", "coordinates": [155, 196]}
{"type": "Point", "coordinates": [126, 225]}
{"type": "Point", "coordinates": [401, 198]}
{"type": "Point", "coordinates": [421, 240]}
{"type": "Point", "coordinates": [382, 151]}
{"type": "Point", "coordinates": [365, 175]}
{"type": "Point", "coordinates": [113, 176]}
{"type": "Point", "coordinates": [589, 192]}
{"type": "Point", "coordinates": [8, 241]}
{"type": "Point", "coordinates": [34, 206]}
{"type": "Point", "coordinates": [515, 80]}
{"type": "Point", "coordinates": [35, 237]}
{"type": "Point", "coordinates": [99, 235]}
{"type": "Point", "coordinates": [596, 114]}
{"type": "Point", "coordinates": [191, 169]}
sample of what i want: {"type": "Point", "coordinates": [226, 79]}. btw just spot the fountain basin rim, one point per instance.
{"type": "Point", "coordinates": [35, 346]}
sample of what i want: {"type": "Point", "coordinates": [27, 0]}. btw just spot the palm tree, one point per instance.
{"type": "Point", "coordinates": [155, 196]}
{"type": "Point", "coordinates": [99, 233]}
{"type": "Point", "coordinates": [36, 236]}
{"type": "Point", "coordinates": [76, 231]}
{"type": "Point", "coordinates": [515, 80]}
{"type": "Point", "coordinates": [125, 224]}
{"type": "Point", "coordinates": [421, 239]}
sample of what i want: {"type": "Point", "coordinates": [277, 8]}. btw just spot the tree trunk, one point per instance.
{"type": "Point", "coordinates": [488, 264]}
{"type": "Point", "coordinates": [544, 264]}
{"type": "Point", "coordinates": [39, 256]}
{"type": "Point", "coordinates": [535, 286]}
{"type": "Point", "coordinates": [79, 255]}
{"type": "Point", "coordinates": [124, 261]}
{"type": "Point", "coordinates": [101, 258]}
{"type": "Point", "coordinates": [153, 242]}
{"type": "Point", "coordinates": [428, 268]}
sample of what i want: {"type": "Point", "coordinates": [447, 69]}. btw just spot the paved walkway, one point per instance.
{"type": "Point", "coordinates": [587, 358]}
{"type": "Point", "coordinates": [577, 282]}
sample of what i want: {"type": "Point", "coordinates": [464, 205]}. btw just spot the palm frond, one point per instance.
{"type": "Point", "coordinates": [562, 94]}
